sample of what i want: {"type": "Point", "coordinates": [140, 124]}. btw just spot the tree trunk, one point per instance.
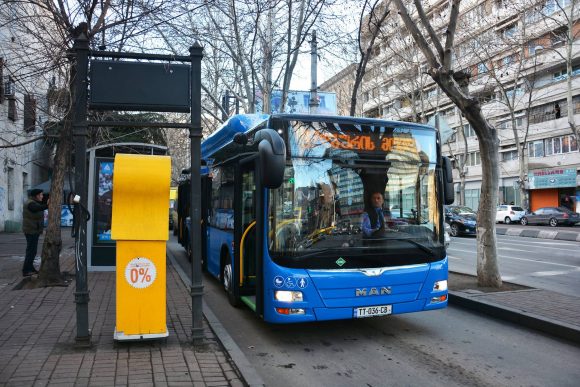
{"type": "Point", "coordinates": [50, 274]}
{"type": "Point", "coordinates": [487, 264]}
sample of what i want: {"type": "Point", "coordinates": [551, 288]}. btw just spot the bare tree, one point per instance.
{"type": "Point", "coordinates": [52, 26]}
{"type": "Point", "coordinates": [454, 85]}
{"type": "Point", "coordinates": [369, 29]}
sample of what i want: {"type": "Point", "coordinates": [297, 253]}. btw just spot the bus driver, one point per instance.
{"type": "Point", "coordinates": [374, 220]}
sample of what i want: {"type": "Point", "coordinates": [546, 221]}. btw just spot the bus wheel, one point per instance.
{"type": "Point", "coordinates": [228, 282]}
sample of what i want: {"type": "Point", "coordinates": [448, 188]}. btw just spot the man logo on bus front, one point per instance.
{"type": "Point", "coordinates": [373, 291]}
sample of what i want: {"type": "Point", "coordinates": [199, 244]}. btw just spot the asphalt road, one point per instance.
{"type": "Point", "coordinates": [450, 347]}
{"type": "Point", "coordinates": [542, 263]}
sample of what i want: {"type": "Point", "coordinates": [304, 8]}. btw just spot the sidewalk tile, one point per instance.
{"type": "Point", "coordinates": [37, 336]}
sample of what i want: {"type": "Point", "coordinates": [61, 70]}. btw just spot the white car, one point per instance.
{"type": "Point", "coordinates": [509, 213]}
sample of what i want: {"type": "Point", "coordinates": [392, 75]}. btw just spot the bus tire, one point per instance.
{"type": "Point", "coordinates": [227, 281]}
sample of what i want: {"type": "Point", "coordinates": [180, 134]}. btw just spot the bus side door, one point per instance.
{"type": "Point", "coordinates": [246, 246]}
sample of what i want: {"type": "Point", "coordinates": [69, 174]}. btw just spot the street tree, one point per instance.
{"type": "Point", "coordinates": [373, 13]}
{"type": "Point", "coordinates": [454, 84]}
{"type": "Point", "coordinates": [505, 75]}
{"type": "Point", "coordinates": [52, 25]}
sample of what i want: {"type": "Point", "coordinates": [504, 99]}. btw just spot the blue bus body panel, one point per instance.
{"type": "Point", "coordinates": [331, 294]}
{"type": "Point", "coordinates": [223, 136]}
{"type": "Point", "coordinates": [217, 238]}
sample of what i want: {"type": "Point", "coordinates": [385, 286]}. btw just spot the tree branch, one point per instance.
{"type": "Point", "coordinates": [429, 29]}
{"type": "Point", "coordinates": [21, 143]}
{"type": "Point", "coordinates": [454, 14]}
{"type": "Point", "coordinates": [417, 35]}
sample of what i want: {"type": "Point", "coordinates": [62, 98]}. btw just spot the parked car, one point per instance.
{"type": "Point", "coordinates": [508, 213]}
{"type": "Point", "coordinates": [462, 220]}
{"type": "Point", "coordinates": [554, 216]}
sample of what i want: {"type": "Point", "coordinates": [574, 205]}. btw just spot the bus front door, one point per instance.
{"type": "Point", "coordinates": [246, 250]}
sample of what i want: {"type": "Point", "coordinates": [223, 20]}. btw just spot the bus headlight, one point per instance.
{"type": "Point", "coordinates": [288, 296]}
{"type": "Point", "coordinates": [440, 285]}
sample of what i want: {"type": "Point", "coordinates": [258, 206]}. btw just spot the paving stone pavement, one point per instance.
{"type": "Point", "coordinates": [38, 328]}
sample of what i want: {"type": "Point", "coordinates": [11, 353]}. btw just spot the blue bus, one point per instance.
{"type": "Point", "coordinates": [287, 200]}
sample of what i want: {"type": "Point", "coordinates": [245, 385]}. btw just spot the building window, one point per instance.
{"type": "Point", "coordinates": [468, 131]}
{"type": "Point", "coordinates": [514, 91]}
{"type": "Point", "coordinates": [12, 113]}
{"type": "Point", "coordinates": [562, 74]}
{"type": "Point", "coordinates": [482, 68]}
{"type": "Point", "coordinates": [508, 60]}
{"type": "Point", "coordinates": [29, 113]}
{"type": "Point", "coordinates": [10, 188]}
{"type": "Point", "coordinates": [472, 198]}
{"type": "Point", "coordinates": [536, 148]}
{"type": "Point", "coordinates": [510, 31]}
{"type": "Point", "coordinates": [473, 158]}
{"type": "Point", "coordinates": [562, 144]}
{"type": "Point", "coordinates": [510, 155]}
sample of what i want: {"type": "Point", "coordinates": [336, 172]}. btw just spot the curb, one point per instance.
{"type": "Point", "coordinates": [529, 320]}
{"type": "Point", "coordinates": [247, 371]}
{"type": "Point", "coordinates": [573, 236]}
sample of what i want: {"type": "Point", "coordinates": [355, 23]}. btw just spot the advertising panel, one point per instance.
{"type": "Point", "coordinates": [552, 178]}
{"type": "Point", "coordinates": [104, 201]}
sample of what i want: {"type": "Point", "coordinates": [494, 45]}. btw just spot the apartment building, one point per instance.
{"type": "Point", "coordinates": [24, 161]}
{"type": "Point", "coordinates": [516, 54]}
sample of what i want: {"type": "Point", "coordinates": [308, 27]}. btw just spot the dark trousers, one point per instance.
{"type": "Point", "coordinates": [31, 248]}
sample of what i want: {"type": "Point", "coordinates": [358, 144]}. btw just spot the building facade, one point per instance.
{"type": "Point", "coordinates": [24, 153]}
{"type": "Point", "coordinates": [523, 63]}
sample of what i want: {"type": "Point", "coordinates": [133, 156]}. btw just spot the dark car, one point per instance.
{"type": "Point", "coordinates": [553, 216]}
{"type": "Point", "coordinates": [461, 219]}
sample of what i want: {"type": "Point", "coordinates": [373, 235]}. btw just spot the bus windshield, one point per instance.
{"type": "Point", "coordinates": [356, 197]}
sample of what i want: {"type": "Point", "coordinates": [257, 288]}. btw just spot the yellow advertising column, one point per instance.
{"type": "Point", "coordinates": [140, 226]}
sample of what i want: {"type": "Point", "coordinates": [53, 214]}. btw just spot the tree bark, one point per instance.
{"type": "Point", "coordinates": [50, 274]}
{"type": "Point", "coordinates": [456, 88]}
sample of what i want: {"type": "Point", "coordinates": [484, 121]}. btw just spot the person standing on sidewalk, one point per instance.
{"type": "Point", "coordinates": [32, 225]}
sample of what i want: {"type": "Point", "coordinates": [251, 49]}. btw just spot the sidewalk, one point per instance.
{"type": "Point", "coordinates": [569, 234]}
{"type": "Point", "coordinates": [550, 312]}
{"type": "Point", "coordinates": [38, 328]}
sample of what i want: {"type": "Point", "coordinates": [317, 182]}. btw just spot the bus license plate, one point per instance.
{"type": "Point", "coordinates": [372, 311]}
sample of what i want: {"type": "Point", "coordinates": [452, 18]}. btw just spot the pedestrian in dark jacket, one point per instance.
{"type": "Point", "coordinates": [32, 225]}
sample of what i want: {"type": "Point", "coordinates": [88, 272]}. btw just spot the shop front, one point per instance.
{"type": "Point", "coordinates": [554, 187]}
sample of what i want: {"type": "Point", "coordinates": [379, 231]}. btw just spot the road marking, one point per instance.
{"type": "Point", "coordinates": [553, 272]}
{"type": "Point", "coordinates": [523, 259]}
{"type": "Point", "coordinates": [534, 248]}
{"type": "Point", "coordinates": [453, 257]}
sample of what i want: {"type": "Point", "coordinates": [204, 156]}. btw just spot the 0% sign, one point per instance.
{"type": "Point", "coordinates": [140, 272]}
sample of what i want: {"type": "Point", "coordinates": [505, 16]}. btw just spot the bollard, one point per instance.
{"type": "Point", "coordinates": [140, 226]}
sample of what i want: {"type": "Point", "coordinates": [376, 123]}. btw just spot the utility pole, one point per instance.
{"type": "Point", "coordinates": [196, 54]}
{"type": "Point", "coordinates": [80, 131]}
{"type": "Point", "coordinates": [314, 102]}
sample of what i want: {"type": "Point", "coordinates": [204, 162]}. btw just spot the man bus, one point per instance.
{"type": "Point", "coordinates": [284, 197]}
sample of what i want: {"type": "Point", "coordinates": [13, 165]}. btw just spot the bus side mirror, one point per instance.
{"type": "Point", "coordinates": [272, 153]}
{"type": "Point", "coordinates": [448, 193]}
